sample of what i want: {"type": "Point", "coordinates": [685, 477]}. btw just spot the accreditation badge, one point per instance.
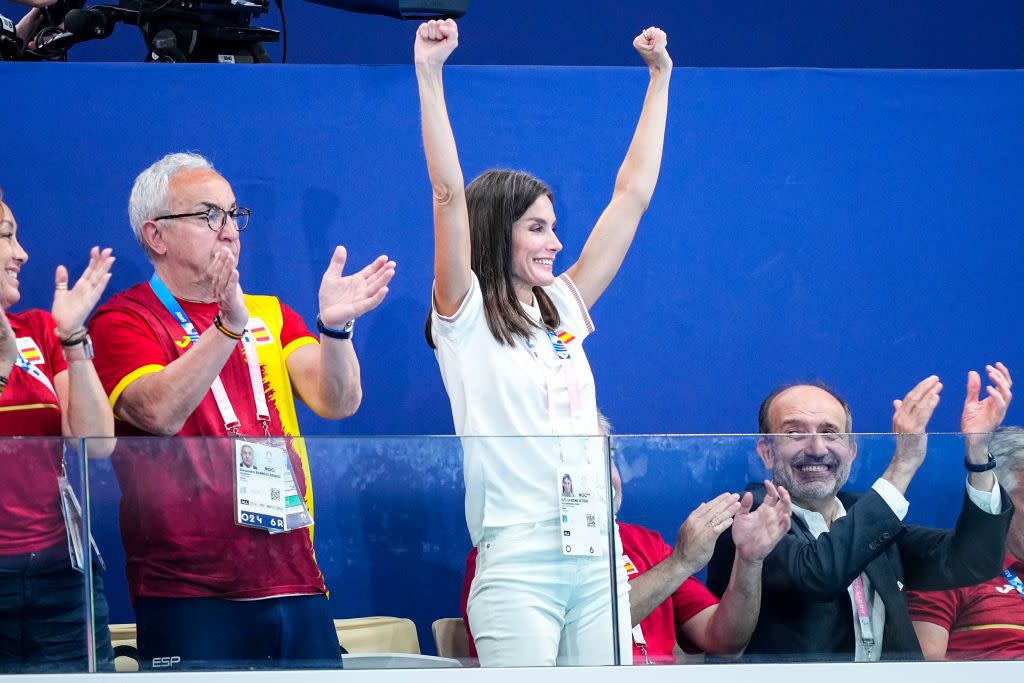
{"type": "Point", "coordinates": [296, 515]}
{"type": "Point", "coordinates": [261, 477]}
{"type": "Point", "coordinates": [581, 511]}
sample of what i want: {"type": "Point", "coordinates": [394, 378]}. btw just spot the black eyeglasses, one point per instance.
{"type": "Point", "coordinates": [217, 217]}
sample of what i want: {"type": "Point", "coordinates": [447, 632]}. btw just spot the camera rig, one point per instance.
{"type": "Point", "coordinates": [188, 30]}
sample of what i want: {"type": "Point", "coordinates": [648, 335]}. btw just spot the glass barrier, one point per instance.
{"type": "Point", "coordinates": [811, 609]}
{"type": "Point", "coordinates": [45, 563]}
{"type": "Point", "coordinates": [180, 521]}
{"type": "Point", "coordinates": [388, 530]}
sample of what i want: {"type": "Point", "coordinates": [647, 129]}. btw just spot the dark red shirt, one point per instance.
{"type": "Point", "coordinates": [985, 621]}
{"type": "Point", "coordinates": [30, 514]}
{"type": "Point", "coordinates": [177, 495]}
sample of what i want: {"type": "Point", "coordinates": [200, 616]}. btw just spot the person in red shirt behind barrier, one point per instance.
{"type": "Point", "coordinates": [188, 354]}
{"type": "Point", "coordinates": [985, 621]}
{"type": "Point", "coordinates": [667, 605]}
{"type": "Point", "coordinates": [48, 388]}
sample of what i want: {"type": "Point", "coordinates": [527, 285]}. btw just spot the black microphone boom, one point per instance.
{"type": "Point", "coordinates": [403, 9]}
{"type": "Point", "coordinates": [95, 22]}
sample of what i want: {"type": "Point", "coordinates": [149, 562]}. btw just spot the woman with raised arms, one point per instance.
{"type": "Point", "coordinates": [508, 337]}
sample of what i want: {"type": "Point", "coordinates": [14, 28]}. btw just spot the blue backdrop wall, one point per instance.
{"type": "Point", "coordinates": [870, 33]}
{"type": "Point", "coordinates": [859, 226]}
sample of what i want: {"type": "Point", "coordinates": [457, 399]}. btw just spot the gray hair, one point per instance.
{"type": "Point", "coordinates": [1007, 447]}
{"type": "Point", "coordinates": [604, 425]}
{"type": "Point", "coordinates": [149, 193]}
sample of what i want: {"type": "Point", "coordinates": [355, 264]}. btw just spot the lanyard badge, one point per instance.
{"type": "Point", "coordinates": [581, 511]}
{"type": "Point", "coordinates": [267, 496]}
{"type": "Point", "coordinates": [1014, 581]}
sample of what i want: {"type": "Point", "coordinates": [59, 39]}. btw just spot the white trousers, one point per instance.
{"type": "Point", "coordinates": [530, 605]}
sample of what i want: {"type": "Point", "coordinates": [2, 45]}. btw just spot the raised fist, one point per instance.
{"type": "Point", "coordinates": [435, 41]}
{"type": "Point", "coordinates": [652, 45]}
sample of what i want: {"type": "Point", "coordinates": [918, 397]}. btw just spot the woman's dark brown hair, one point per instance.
{"type": "Point", "coordinates": [496, 199]}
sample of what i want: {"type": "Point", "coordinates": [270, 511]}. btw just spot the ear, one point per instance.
{"type": "Point", "coordinates": [153, 236]}
{"type": "Point", "coordinates": [853, 448]}
{"type": "Point", "coordinates": [764, 449]}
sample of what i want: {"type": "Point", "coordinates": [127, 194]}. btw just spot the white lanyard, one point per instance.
{"type": "Point", "coordinates": [220, 395]}
{"type": "Point", "coordinates": [1010, 576]}
{"type": "Point", "coordinates": [860, 603]}
{"type": "Point", "coordinates": [638, 639]}
{"type": "Point", "coordinates": [35, 373]}
{"type": "Point", "coordinates": [568, 368]}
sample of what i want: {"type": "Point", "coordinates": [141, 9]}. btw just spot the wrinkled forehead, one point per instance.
{"type": "Point", "coordinates": [807, 407]}
{"type": "Point", "coordinates": [199, 186]}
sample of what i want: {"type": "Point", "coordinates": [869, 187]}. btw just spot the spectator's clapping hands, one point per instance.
{"type": "Point", "coordinates": [756, 533]}
{"type": "Point", "coordinates": [697, 536]}
{"type": "Point", "coordinates": [981, 417]}
{"type": "Point", "coordinates": [985, 415]}
{"type": "Point", "coordinates": [72, 306]}
{"type": "Point", "coordinates": [910, 418]}
{"type": "Point", "coordinates": [344, 298]}
{"type": "Point", "coordinates": [227, 291]}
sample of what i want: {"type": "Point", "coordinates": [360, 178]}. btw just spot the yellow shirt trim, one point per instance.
{"type": "Point", "coordinates": [29, 406]}
{"type": "Point", "coordinates": [295, 345]}
{"type": "Point", "coordinates": [131, 377]}
{"type": "Point", "coordinates": [985, 627]}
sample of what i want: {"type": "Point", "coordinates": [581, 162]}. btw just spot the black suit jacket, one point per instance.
{"type": "Point", "coordinates": [805, 608]}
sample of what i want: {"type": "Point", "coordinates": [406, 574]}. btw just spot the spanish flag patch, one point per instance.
{"type": "Point", "coordinates": [259, 331]}
{"type": "Point", "coordinates": [30, 351]}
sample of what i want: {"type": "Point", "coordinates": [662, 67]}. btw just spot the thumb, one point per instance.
{"type": "Point", "coordinates": [973, 387]}
{"type": "Point", "coordinates": [337, 264]}
{"type": "Point", "coordinates": [60, 278]}
{"type": "Point", "coordinates": [896, 404]}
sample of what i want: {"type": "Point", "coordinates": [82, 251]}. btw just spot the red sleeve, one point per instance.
{"type": "Point", "coordinates": [123, 345]}
{"type": "Point", "coordinates": [292, 326]}
{"type": "Point", "coordinates": [690, 599]}
{"type": "Point", "coordinates": [937, 607]}
{"type": "Point", "coordinates": [467, 581]}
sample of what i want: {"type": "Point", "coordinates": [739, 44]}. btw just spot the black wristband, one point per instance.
{"type": "Point", "coordinates": [225, 331]}
{"type": "Point", "coordinates": [75, 339]}
{"type": "Point", "coordinates": [343, 333]}
{"type": "Point", "coordinates": [971, 467]}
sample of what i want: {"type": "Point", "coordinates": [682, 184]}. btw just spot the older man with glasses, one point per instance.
{"type": "Point", "coordinates": [188, 354]}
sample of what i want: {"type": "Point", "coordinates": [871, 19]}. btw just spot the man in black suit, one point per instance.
{"type": "Point", "coordinates": [833, 586]}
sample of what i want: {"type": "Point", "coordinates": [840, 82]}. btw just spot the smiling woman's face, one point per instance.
{"type": "Point", "coordinates": [12, 257]}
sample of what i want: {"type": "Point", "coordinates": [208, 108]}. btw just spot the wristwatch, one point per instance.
{"type": "Point", "coordinates": [971, 467]}
{"type": "Point", "coordinates": [81, 350]}
{"type": "Point", "coordinates": [344, 333]}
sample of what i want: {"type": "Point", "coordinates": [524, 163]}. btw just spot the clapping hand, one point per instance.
{"type": "Point", "coordinates": [756, 533]}
{"type": "Point", "coordinates": [346, 297]}
{"type": "Point", "coordinates": [910, 418]}
{"type": "Point", "coordinates": [72, 306]}
{"type": "Point", "coordinates": [227, 291]}
{"type": "Point", "coordinates": [697, 536]}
